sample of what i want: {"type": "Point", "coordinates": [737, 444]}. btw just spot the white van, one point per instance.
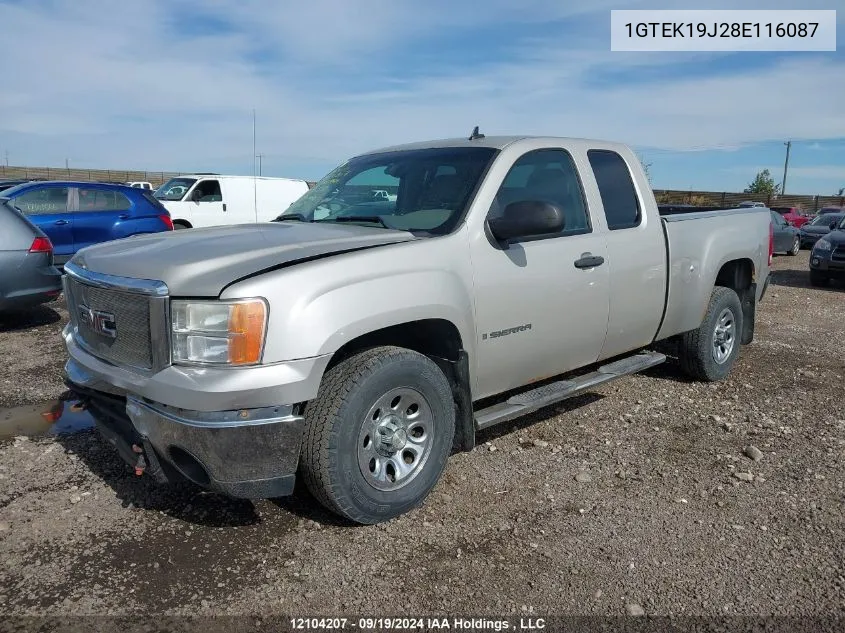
{"type": "Point", "coordinates": [200, 200]}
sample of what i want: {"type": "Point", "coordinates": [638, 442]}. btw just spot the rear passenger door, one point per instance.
{"type": "Point", "coordinates": [47, 207]}
{"type": "Point", "coordinates": [98, 214]}
{"type": "Point", "coordinates": [636, 254]}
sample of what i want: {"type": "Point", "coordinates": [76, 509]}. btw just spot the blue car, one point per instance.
{"type": "Point", "coordinates": [78, 214]}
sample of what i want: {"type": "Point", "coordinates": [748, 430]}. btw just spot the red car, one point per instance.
{"type": "Point", "coordinates": [793, 215]}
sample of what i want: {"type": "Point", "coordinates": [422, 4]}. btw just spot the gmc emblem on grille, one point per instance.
{"type": "Point", "coordinates": [98, 321]}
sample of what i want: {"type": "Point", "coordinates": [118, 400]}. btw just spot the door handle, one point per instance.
{"type": "Point", "coordinates": [123, 216]}
{"type": "Point", "coordinates": [589, 261]}
{"type": "Point", "coordinates": [60, 222]}
{"type": "Point", "coordinates": [224, 206]}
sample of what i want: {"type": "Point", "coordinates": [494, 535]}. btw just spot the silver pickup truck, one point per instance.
{"type": "Point", "coordinates": [351, 341]}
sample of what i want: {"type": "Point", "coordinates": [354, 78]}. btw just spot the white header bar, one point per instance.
{"type": "Point", "coordinates": [723, 30]}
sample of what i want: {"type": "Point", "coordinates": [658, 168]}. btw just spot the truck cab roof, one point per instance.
{"type": "Point", "coordinates": [499, 142]}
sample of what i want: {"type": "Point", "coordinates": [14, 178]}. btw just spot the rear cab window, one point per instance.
{"type": "Point", "coordinates": [619, 197]}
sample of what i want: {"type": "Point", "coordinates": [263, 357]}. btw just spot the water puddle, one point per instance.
{"type": "Point", "coordinates": [51, 418]}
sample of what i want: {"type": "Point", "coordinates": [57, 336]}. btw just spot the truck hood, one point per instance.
{"type": "Point", "coordinates": [201, 262]}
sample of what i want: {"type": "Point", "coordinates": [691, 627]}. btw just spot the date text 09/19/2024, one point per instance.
{"type": "Point", "coordinates": [426, 624]}
{"type": "Point", "coordinates": [721, 29]}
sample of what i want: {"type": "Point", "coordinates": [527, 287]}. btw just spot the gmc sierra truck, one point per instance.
{"type": "Point", "coordinates": [351, 341]}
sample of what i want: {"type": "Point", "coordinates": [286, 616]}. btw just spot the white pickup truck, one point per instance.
{"type": "Point", "coordinates": [352, 347]}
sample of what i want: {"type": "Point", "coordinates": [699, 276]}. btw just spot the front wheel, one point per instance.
{"type": "Point", "coordinates": [796, 247]}
{"type": "Point", "coordinates": [378, 435]}
{"type": "Point", "coordinates": [710, 352]}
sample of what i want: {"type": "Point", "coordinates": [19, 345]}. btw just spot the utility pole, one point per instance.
{"type": "Point", "coordinates": [66, 164]}
{"type": "Point", "coordinates": [7, 158]}
{"type": "Point", "coordinates": [785, 167]}
{"type": "Point", "coordinates": [259, 157]}
{"type": "Point", "coordinates": [254, 182]}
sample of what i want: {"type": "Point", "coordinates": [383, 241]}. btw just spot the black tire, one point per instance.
{"type": "Point", "coordinates": [178, 226]}
{"type": "Point", "coordinates": [818, 279]}
{"type": "Point", "coordinates": [335, 422]}
{"type": "Point", "coordinates": [796, 247]}
{"type": "Point", "coordinates": [697, 355]}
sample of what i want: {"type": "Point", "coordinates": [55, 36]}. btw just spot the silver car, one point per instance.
{"type": "Point", "coordinates": [27, 274]}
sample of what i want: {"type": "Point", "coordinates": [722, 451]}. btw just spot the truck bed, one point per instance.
{"type": "Point", "coordinates": [698, 245]}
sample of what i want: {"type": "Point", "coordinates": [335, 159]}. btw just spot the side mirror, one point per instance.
{"type": "Point", "coordinates": [527, 218]}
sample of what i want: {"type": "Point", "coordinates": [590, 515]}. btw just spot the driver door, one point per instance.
{"type": "Point", "coordinates": [539, 310]}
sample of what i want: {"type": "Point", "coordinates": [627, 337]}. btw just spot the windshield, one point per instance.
{"type": "Point", "coordinates": [825, 219]}
{"type": "Point", "coordinates": [425, 190]}
{"type": "Point", "coordinates": [174, 189]}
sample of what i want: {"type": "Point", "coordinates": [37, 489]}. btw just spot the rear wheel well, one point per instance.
{"type": "Point", "coordinates": [182, 223]}
{"type": "Point", "coordinates": [739, 276]}
{"type": "Point", "coordinates": [440, 340]}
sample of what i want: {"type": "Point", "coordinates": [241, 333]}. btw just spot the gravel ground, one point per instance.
{"type": "Point", "coordinates": [643, 496]}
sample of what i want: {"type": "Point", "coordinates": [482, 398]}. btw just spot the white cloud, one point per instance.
{"type": "Point", "coordinates": [133, 91]}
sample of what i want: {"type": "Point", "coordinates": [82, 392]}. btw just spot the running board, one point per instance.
{"type": "Point", "coordinates": [529, 401]}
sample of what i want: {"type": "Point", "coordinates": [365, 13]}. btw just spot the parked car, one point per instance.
{"type": "Point", "coordinates": [212, 200]}
{"type": "Point", "coordinates": [367, 338]}
{"type": "Point", "coordinates": [793, 215]}
{"type": "Point", "coordinates": [827, 219]}
{"type": "Point", "coordinates": [750, 204]}
{"type": "Point", "coordinates": [827, 259]}
{"type": "Point", "coordinates": [78, 214]}
{"type": "Point", "coordinates": [141, 184]}
{"type": "Point", "coordinates": [787, 237]}
{"type": "Point", "coordinates": [27, 274]}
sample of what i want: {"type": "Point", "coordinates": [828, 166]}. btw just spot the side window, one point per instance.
{"type": "Point", "coordinates": [618, 196]}
{"type": "Point", "coordinates": [48, 200]}
{"type": "Point", "coordinates": [92, 200]}
{"type": "Point", "coordinates": [547, 175]}
{"type": "Point", "coordinates": [208, 191]}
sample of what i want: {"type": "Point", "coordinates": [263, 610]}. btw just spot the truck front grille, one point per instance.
{"type": "Point", "coordinates": [838, 253]}
{"type": "Point", "coordinates": [114, 325]}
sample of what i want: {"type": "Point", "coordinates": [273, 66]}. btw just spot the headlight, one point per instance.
{"type": "Point", "coordinates": [218, 332]}
{"type": "Point", "coordinates": [822, 245]}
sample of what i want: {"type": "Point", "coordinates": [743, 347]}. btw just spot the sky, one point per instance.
{"type": "Point", "coordinates": [171, 85]}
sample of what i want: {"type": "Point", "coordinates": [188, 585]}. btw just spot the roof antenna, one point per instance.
{"type": "Point", "coordinates": [475, 134]}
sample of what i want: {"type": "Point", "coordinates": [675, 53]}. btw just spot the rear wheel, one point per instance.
{"type": "Point", "coordinates": [177, 226]}
{"type": "Point", "coordinates": [796, 246]}
{"type": "Point", "coordinates": [818, 279]}
{"type": "Point", "coordinates": [378, 434]}
{"type": "Point", "coordinates": [710, 352]}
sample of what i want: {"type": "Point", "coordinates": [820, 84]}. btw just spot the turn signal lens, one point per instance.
{"type": "Point", "coordinates": [246, 332]}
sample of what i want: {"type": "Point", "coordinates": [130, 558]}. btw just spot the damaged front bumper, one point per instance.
{"type": "Point", "coordinates": [245, 453]}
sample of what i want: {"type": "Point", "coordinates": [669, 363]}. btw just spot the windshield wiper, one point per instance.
{"type": "Point", "coordinates": [361, 218]}
{"type": "Point", "coordinates": [292, 216]}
